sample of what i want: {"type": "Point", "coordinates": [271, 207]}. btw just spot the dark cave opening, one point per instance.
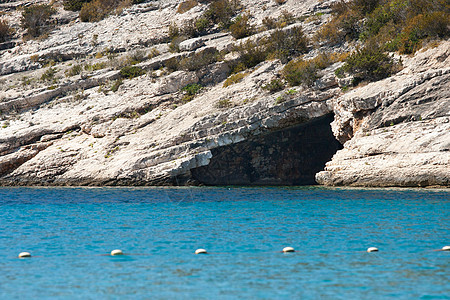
{"type": "Point", "coordinates": [291, 156]}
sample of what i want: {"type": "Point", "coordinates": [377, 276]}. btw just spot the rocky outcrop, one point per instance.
{"type": "Point", "coordinates": [396, 131]}
{"type": "Point", "coordinates": [90, 126]}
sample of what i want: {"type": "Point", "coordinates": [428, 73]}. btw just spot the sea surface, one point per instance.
{"type": "Point", "coordinates": [70, 231]}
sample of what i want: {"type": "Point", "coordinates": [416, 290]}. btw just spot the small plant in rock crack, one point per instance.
{"type": "Point", "coordinates": [224, 103]}
{"type": "Point", "coordinates": [280, 99]}
{"type": "Point", "coordinates": [274, 85]}
{"type": "Point", "coordinates": [49, 75]}
{"type": "Point", "coordinates": [75, 70]}
{"type": "Point", "coordinates": [190, 91]}
{"type": "Point", "coordinates": [115, 86]}
{"type": "Point", "coordinates": [5, 31]}
{"type": "Point", "coordinates": [131, 72]}
{"type": "Point", "coordinates": [35, 19]}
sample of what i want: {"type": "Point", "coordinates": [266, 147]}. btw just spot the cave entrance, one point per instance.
{"type": "Point", "coordinates": [291, 156]}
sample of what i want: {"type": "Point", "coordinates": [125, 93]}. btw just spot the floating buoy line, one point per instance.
{"type": "Point", "coordinates": [118, 252]}
{"type": "Point", "coordinates": [288, 249]}
{"type": "Point", "coordinates": [201, 251]}
{"type": "Point", "coordinates": [24, 254]}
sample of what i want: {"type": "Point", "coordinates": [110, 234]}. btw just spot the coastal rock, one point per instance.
{"type": "Point", "coordinates": [396, 131]}
{"type": "Point", "coordinates": [68, 116]}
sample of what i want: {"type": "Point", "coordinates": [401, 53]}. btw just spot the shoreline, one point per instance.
{"type": "Point", "coordinates": [287, 187]}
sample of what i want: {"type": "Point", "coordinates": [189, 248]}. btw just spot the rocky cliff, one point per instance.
{"type": "Point", "coordinates": [91, 125]}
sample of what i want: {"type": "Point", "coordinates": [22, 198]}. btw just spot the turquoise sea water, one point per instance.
{"type": "Point", "coordinates": [68, 231]}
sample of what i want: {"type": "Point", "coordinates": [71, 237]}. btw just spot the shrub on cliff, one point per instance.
{"type": "Point", "coordinates": [344, 25]}
{"type": "Point", "coordinates": [220, 12]}
{"type": "Point", "coordinates": [420, 27]}
{"type": "Point", "coordinates": [190, 91]}
{"type": "Point", "coordinates": [49, 75]}
{"type": "Point", "coordinates": [234, 78]}
{"type": "Point", "coordinates": [392, 24]}
{"type": "Point", "coordinates": [172, 64]}
{"type": "Point", "coordinates": [199, 60]}
{"type": "Point", "coordinates": [74, 5]}
{"type": "Point", "coordinates": [300, 72]}
{"type": "Point", "coordinates": [250, 54]}
{"type": "Point", "coordinates": [5, 31]}
{"type": "Point", "coordinates": [274, 85]}
{"type": "Point", "coordinates": [97, 10]}
{"type": "Point", "coordinates": [241, 27]}
{"type": "Point", "coordinates": [284, 44]}
{"type": "Point", "coordinates": [35, 18]}
{"type": "Point", "coordinates": [131, 72]}
{"type": "Point", "coordinates": [305, 72]}
{"type": "Point", "coordinates": [370, 63]}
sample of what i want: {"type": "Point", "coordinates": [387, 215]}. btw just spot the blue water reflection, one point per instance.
{"type": "Point", "coordinates": [68, 231]}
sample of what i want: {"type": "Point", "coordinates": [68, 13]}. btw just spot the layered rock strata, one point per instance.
{"type": "Point", "coordinates": [76, 129]}
{"type": "Point", "coordinates": [396, 131]}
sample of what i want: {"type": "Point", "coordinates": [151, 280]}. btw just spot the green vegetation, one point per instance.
{"type": "Point", "coordinates": [224, 103]}
{"type": "Point", "coordinates": [27, 80]}
{"type": "Point", "coordinates": [153, 53]}
{"type": "Point", "coordinates": [5, 31]}
{"type": "Point", "coordinates": [282, 44]}
{"type": "Point", "coordinates": [75, 70]}
{"type": "Point", "coordinates": [291, 92]}
{"type": "Point", "coordinates": [283, 20]}
{"type": "Point", "coordinates": [190, 91]}
{"type": "Point", "coordinates": [131, 72]}
{"type": "Point", "coordinates": [219, 12]}
{"type": "Point", "coordinates": [250, 54]}
{"type": "Point", "coordinates": [285, 44]}
{"type": "Point", "coordinates": [274, 85]}
{"type": "Point", "coordinates": [300, 71]}
{"type": "Point", "coordinates": [115, 86]}
{"type": "Point", "coordinates": [136, 57]}
{"type": "Point", "coordinates": [305, 72]}
{"type": "Point", "coordinates": [382, 26]}
{"type": "Point", "coordinates": [280, 99]}
{"type": "Point", "coordinates": [49, 75]}
{"type": "Point", "coordinates": [394, 25]}
{"type": "Point", "coordinates": [74, 5]}
{"type": "Point", "coordinates": [235, 78]}
{"type": "Point", "coordinates": [199, 60]}
{"type": "Point", "coordinates": [95, 67]}
{"type": "Point", "coordinates": [194, 62]}
{"type": "Point", "coordinates": [172, 64]}
{"type": "Point", "coordinates": [96, 10]}
{"type": "Point", "coordinates": [241, 27]}
{"type": "Point", "coordinates": [35, 19]}
{"type": "Point", "coordinates": [368, 64]}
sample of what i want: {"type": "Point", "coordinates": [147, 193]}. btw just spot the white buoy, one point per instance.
{"type": "Point", "coordinates": [24, 254]}
{"type": "Point", "coordinates": [372, 249]}
{"type": "Point", "coordinates": [116, 252]}
{"type": "Point", "coordinates": [288, 249]}
{"type": "Point", "coordinates": [201, 251]}
{"type": "Point", "coordinates": [446, 248]}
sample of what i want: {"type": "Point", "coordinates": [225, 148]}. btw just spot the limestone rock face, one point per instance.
{"type": "Point", "coordinates": [396, 131]}
{"type": "Point", "coordinates": [68, 116]}
{"type": "Point", "coordinates": [191, 44]}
